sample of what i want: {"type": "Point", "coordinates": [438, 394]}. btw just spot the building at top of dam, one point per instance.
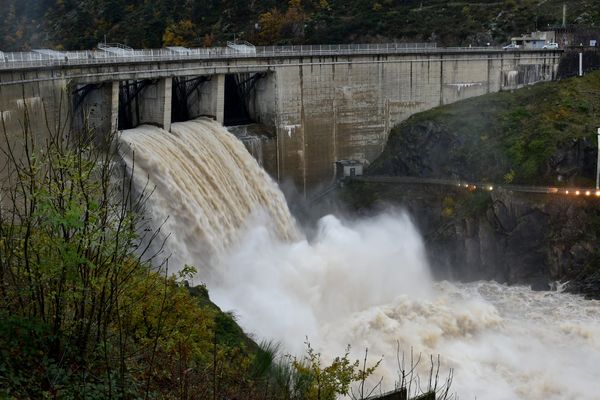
{"type": "Point", "coordinates": [317, 104]}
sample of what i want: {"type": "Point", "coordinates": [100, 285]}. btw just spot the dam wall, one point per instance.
{"type": "Point", "coordinates": [336, 108]}
{"type": "Point", "coordinates": [320, 107]}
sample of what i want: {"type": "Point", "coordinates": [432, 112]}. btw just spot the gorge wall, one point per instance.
{"type": "Point", "coordinates": [543, 135]}
{"type": "Point", "coordinates": [512, 238]}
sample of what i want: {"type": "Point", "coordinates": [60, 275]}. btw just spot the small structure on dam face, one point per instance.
{"type": "Point", "coordinates": [348, 168]}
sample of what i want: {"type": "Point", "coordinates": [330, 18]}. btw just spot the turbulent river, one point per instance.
{"type": "Point", "coordinates": [365, 283]}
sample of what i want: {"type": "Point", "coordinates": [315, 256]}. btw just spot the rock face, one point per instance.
{"type": "Point", "coordinates": [508, 237]}
{"type": "Point", "coordinates": [529, 239]}
{"type": "Point", "coordinates": [543, 135]}
{"type": "Point", "coordinates": [431, 149]}
{"type": "Point", "coordinates": [573, 159]}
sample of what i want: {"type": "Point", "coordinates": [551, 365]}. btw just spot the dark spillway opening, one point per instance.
{"type": "Point", "coordinates": [129, 104]}
{"type": "Point", "coordinates": [236, 110]}
{"type": "Point", "coordinates": [179, 105]}
{"type": "Point", "coordinates": [80, 108]}
{"type": "Point", "coordinates": [183, 89]}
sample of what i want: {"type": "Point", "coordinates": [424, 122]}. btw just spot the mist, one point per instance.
{"type": "Point", "coordinates": [359, 282]}
{"type": "Point", "coordinates": [366, 283]}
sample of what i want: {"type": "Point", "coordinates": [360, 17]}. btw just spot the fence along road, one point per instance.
{"type": "Point", "coordinates": [473, 186]}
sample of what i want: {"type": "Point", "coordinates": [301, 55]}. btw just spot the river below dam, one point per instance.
{"type": "Point", "coordinates": [361, 282]}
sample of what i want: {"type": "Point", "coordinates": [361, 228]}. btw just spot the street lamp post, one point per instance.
{"type": "Point", "coordinates": [598, 163]}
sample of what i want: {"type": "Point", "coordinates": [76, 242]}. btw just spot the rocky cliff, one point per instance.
{"type": "Point", "coordinates": [544, 135]}
{"type": "Point", "coordinates": [508, 237]}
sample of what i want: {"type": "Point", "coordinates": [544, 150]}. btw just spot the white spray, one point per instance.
{"type": "Point", "coordinates": [364, 283]}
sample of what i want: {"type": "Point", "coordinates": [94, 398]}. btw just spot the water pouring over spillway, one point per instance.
{"type": "Point", "coordinates": [364, 283]}
{"type": "Point", "coordinates": [207, 186]}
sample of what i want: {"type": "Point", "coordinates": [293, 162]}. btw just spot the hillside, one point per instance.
{"type": "Point", "coordinates": [544, 134]}
{"type": "Point", "coordinates": [76, 24]}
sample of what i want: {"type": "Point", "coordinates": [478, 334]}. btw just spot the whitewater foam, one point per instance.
{"type": "Point", "coordinates": [364, 283]}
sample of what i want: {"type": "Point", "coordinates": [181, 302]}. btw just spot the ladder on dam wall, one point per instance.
{"type": "Point", "coordinates": [402, 394]}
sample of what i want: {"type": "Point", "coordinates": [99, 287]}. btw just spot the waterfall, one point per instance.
{"type": "Point", "coordinates": [511, 79]}
{"type": "Point", "coordinates": [251, 139]}
{"type": "Point", "coordinates": [206, 187]}
{"type": "Point", "coordinates": [364, 283]}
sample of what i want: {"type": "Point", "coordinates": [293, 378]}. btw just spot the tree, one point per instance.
{"type": "Point", "coordinates": [326, 383]}
{"type": "Point", "coordinates": [270, 26]}
{"type": "Point", "coordinates": [288, 28]}
{"type": "Point", "coordinates": [292, 29]}
{"type": "Point", "coordinates": [182, 33]}
{"type": "Point", "coordinates": [83, 314]}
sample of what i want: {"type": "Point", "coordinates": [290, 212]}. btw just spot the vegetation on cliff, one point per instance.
{"type": "Point", "coordinates": [74, 24]}
{"type": "Point", "coordinates": [544, 134]}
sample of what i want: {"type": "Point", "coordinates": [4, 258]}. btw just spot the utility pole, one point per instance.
{"type": "Point", "coordinates": [564, 24]}
{"type": "Point", "coordinates": [598, 164]}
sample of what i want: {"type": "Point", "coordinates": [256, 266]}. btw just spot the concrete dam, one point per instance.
{"type": "Point", "coordinates": [319, 104]}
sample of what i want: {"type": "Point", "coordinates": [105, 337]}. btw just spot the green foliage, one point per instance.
{"type": "Point", "coordinates": [473, 204]}
{"type": "Point", "coordinates": [278, 27]}
{"type": "Point", "coordinates": [448, 206]}
{"type": "Point", "coordinates": [74, 24]}
{"type": "Point", "coordinates": [22, 351]}
{"type": "Point", "coordinates": [182, 33]}
{"type": "Point", "coordinates": [329, 382]}
{"type": "Point", "coordinates": [187, 272]}
{"type": "Point", "coordinates": [509, 176]}
{"type": "Point", "coordinates": [82, 314]}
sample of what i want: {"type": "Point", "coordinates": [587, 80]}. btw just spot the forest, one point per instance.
{"type": "Point", "coordinates": [82, 24]}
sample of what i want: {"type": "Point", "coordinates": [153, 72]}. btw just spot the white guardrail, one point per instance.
{"type": "Point", "coordinates": [115, 53]}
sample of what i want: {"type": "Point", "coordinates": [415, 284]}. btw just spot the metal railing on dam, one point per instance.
{"type": "Point", "coordinates": [114, 55]}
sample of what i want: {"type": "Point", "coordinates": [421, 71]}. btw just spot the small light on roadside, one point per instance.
{"type": "Point", "coordinates": [598, 193]}
{"type": "Point", "coordinates": [491, 188]}
{"type": "Point", "coordinates": [567, 192]}
{"type": "Point", "coordinates": [587, 193]}
{"type": "Point", "coordinates": [577, 193]}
